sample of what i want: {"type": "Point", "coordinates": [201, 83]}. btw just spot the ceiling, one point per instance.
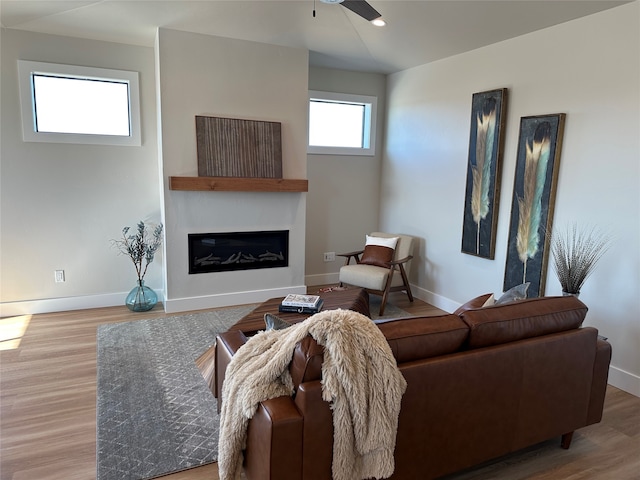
{"type": "Point", "coordinates": [417, 32]}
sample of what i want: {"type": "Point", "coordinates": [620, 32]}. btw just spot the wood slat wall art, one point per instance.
{"type": "Point", "coordinates": [229, 147]}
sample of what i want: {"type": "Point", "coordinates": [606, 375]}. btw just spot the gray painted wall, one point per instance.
{"type": "Point", "coordinates": [61, 203]}
{"type": "Point", "coordinates": [590, 70]}
{"type": "Point", "coordinates": [343, 200]}
{"type": "Point", "coordinates": [206, 75]}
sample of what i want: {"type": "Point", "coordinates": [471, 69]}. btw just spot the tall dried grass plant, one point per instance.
{"type": "Point", "coordinates": [576, 251]}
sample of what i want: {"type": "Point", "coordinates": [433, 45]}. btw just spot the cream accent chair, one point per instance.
{"type": "Point", "coordinates": [380, 280]}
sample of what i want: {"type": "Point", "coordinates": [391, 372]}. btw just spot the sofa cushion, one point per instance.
{"type": "Point", "coordinates": [365, 276]}
{"type": "Point", "coordinates": [477, 302]}
{"type": "Point", "coordinates": [524, 319]}
{"type": "Point", "coordinates": [410, 339]}
{"type": "Point", "coordinates": [424, 337]}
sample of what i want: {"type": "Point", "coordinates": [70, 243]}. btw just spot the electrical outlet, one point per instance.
{"type": "Point", "coordinates": [59, 276]}
{"type": "Point", "coordinates": [329, 256]}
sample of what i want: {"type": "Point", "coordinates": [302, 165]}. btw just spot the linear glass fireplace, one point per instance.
{"type": "Point", "coordinates": [224, 252]}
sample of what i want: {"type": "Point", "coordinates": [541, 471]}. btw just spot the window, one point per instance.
{"type": "Point", "coordinates": [341, 124]}
{"type": "Point", "coordinates": [70, 104]}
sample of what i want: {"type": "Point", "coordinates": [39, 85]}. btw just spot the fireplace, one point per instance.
{"type": "Point", "coordinates": [225, 252]}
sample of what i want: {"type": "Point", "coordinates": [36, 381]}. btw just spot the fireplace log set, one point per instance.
{"type": "Point", "coordinates": [220, 252]}
{"type": "Point", "coordinates": [238, 258]}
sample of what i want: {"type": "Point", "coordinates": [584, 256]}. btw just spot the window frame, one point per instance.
{"type": "Point", "coordinates": [370, 123]}
{"type": "Point", "coordinates": [26, 71]}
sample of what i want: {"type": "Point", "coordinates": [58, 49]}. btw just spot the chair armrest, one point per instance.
{"type": "Point", "coordinates": [274, 441]}
{"type": "Point", "coordinates": [348, 256]}
{"type": "Point", "coordinates": [401, 261]}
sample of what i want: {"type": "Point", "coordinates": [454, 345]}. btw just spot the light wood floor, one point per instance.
{"type": "Point", "coordinates": [48, 409]}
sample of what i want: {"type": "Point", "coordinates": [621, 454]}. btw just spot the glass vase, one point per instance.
{"type": "Point", "coordinates": [141, 298]}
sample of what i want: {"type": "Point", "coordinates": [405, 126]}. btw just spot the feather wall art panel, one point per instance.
{"type": "Point", "coordinates": [486, 141]}
{"type": "Point", "coordinates": [534, 191]}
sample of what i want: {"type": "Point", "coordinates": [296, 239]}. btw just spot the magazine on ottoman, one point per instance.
{"type": "Point", "coordinates": [301, 303]}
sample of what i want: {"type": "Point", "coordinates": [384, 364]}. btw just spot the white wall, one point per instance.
{"type": "Point", "coordinates": [343, 200]}
{"type": "Point", "coordinates": [207, 75]}
{"type": "Point", "coordinates": [588, 69]}
{"type": "Point", "coordinates": [61, 203]}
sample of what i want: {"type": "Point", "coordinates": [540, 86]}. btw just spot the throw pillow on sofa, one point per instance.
{"type": "Point", "coordinates": [485, 300]}
{"type": "Point", "coordinates": [490, 301]}
{"type": "Point", "coordinates": [273, 322]}
{"type": "Point", "coordinates": [519, 292]}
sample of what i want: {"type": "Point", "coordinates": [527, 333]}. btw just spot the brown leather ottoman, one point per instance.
{"type": "Point", "coordinates": [356, 299]}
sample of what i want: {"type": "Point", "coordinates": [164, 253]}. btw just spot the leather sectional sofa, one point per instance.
{"type": "Point", "coordinates": [482, 383]}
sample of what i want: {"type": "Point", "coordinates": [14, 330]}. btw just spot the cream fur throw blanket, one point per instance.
{"type": "Point", "coordinates": [359, 377]}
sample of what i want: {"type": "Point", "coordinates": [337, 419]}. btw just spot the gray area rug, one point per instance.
{"type": "Point", "coordinates": [155, 413]}
{"type": "Point", "coordinates": [390, 310]}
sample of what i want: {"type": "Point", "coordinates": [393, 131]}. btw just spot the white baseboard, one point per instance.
{"type": "Point", "coordinates": [228, 299]}
{"type": "Point", "coordinates": [50, 305]}
{"type": "Point", "coordinates": [623, 380]}
{"type": "Point", "coordinates": [434, 299]}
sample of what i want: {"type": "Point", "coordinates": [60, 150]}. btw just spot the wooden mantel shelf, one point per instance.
{"type": "Point", "coordinates": [235, 184]}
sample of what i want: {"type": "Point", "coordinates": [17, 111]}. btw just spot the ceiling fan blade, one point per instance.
{"type": "Point", "coordinates": [362, 8]}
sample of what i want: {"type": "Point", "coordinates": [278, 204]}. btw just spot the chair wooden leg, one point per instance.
{"type": "Point", "coordinates": [405, 280]}
{"type": "Point", "coordinates": [383, 303]}
{"type": "Point", "coordinates": [385, 293]}
{"type": "Point", "coordinates": [566, 440]}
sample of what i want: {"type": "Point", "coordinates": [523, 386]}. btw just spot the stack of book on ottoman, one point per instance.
{"type": "Point", "coordinates": [301, 303]}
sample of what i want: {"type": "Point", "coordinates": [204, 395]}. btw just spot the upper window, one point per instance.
{"type": "Point", "coordinates": [70, 104]}
{"type": "Point", "coordinates": [341, 124]}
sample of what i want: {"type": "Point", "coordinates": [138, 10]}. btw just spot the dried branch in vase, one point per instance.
{"type": "Point", "coordinates": [140, 247]}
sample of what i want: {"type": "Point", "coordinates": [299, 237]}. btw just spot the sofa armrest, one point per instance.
{"type": "Point", "coordinates": [227, 344]}
{"type": "Point", "coordinates": [274, 441]}
{"type": "Point", "coordinates": [318, 431]}
{"type": "Point", "coordinates": [599, 381]}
